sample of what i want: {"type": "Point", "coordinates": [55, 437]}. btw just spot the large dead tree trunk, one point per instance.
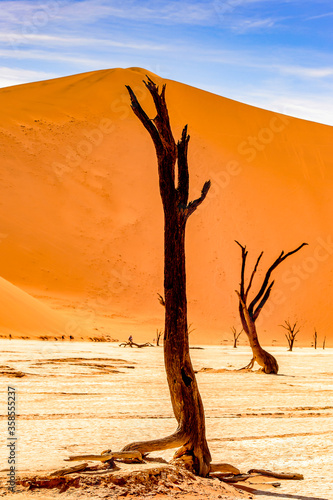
{"type": "Point", "coordinates": [186, 401]}
{"type": "Point", "coordinates": [249, 313]}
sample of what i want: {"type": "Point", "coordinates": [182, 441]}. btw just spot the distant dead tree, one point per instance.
{"type": "Point", "coordinates": [185, 397]}
{"type": "Point", "coordinates": [161, 300]}
{"type": "Point", "coordinates": [291, 333]}
{"type": "Point", "coordinates": [249, 313]}
{"type": "Point", "coordinates": [159, 334]}
{"type": "Point", "coordinates": [130, 343]}
{"type": "Point", "coordinates": [236, 335]}
{"type": "Point", "coordinates": [315, 339]}
{"type": "Point", "coordinates": [324, 342]}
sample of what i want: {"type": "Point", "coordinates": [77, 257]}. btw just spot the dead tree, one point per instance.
{"type": "Point", "coordinates": [185, 397]}
{"type": "Point", "coordinates": [130, 343]}
{"type": "Point", "coordinates": [161, 300]}
{"type": "Point", "coordinates": [159, 334]}
{"type": "Point", "coordinates": [236, 335]}
{"type": "Point", "coordinates": [291, 333]}
{"type": "Point", "coordinates": [249, 312]}
{"type": "Point", "coordinates": [324, 342]}
{"type": "Point", "coordinates": [315, 339]}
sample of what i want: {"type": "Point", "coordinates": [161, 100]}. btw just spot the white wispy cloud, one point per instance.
{"type": "Point", "coordinates": [17, 76]}
{"type": "Point", "coordinates": [15, 39]}
{"type": "Point", "coordinates": [305, 106]}
{"type": "Point", "coordinates": [245, 25]}
{"type": "Point", "coordinates": [305, 72]}
{"type": "Point", "coordinates": [34, 15]}
{"type": "Point", "coordinates": [320, 16]}
{"type": "Point", "coordinates": [56, 57]}
{"type": "Point", "coordinates": [288, 101]}
{"type": "Point", "coordinates": [269, 62]}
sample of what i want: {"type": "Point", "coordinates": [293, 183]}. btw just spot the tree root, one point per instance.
{"type": "Point", "coordinates": [267, 362]}
{"type": "Point", "coordinates": [227, 468]}
{"type": "Point", "coordinates": [183, 466]}
{"type": "Point", "coordinates": [183, 459]}
{"type": "Point", "coordinates": [105, 456]}
{"type": "Point", "coordinates": [281, 475]}
{"type": "Point", "coordinates": [173, 441]}
{"type": "Point", "coordinates": [249, 366]}
{"type": "Point", "coordinates": [69, 470]}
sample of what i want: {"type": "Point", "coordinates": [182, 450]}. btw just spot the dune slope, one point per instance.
{"type": "Point", "coordinates": [22, 314]}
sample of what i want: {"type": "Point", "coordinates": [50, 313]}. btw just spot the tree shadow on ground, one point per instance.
{"type": "Point", "coordinates": [282, 496]}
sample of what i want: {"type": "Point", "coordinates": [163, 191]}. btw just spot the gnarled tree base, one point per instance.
{"type": "Point", "coordinates": [173, 441]}
{"type": "Point", "coordinates": [178, 470]}
{"type": "Point", "coordinates": [187, 446]}
{"type": "Point", "coordinates": [267, 362]}
{"type": "Point", "coordinates": [264, 359]}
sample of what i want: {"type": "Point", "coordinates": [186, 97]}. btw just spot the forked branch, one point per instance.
{"type": "Point", "coordinates": [265, 286]}
{"type": "Point", "coordinates": [193, 205]}
{"type": "Point", "coordinates": [167, 151]}
{"type": "Point", "coordinates": [145, 120]}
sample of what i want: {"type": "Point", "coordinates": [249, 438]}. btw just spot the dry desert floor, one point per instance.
{"type": "Point", "coordinates": [86, 397]}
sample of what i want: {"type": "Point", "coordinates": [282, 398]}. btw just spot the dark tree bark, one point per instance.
{"type": "Point", "coordinates": [185, 397]}
{"type": "Point", "coordinates": [236, 335]}
{"type": "Point", "coordinates": [315, 338]}
{"type": "Point", "coordinates": [291, 333]}
{"type": "Point", "coordinates": [249, 313]}
{"type": "Point", "coordinates": [324, 342]}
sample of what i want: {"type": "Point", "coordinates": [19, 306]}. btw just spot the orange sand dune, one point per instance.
{"type": "Point", "coordinates": [22, 314]}
{"type": "Point", "coordinates": [81, 215]}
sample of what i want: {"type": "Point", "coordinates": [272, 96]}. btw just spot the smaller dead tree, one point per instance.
{"type": "Point", "coordinates": [250, 312]}
{"type": "Point", "coordinates": [324, 342]}
{"type": "Point", "coordinates": [315, 339]}
{"type": "Point", "coordinates": [159, 334]}
{"type": "Point", "coordinates": [291, 333]}
{"type": "Point", "coordinates": [236, 335]}
{"type": "Point", "coordinates": [161, 300]}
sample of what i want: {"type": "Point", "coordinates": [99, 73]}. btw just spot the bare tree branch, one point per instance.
{"type": "Point", "coordinates": [278, 261]}
{"type": "Point", "coordinates": [253, 273]}
{"type": "Point", "coordinates": [262, 302]}
{"type": "Point", "coordinates": [193, 205]}
{"type": "Point", "coordinates": [161, 300]}
{"type": "Point", "coordinates": [183, 176]}
{"type": "Point", "coordinates": [244, 255]}
{"type": "Point", "coordinates": [145, 120]}
{"type": "Point", "coordinates": [161, 120]}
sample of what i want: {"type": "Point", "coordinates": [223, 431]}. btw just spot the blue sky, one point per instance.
{"type": "Point", "coordinates": [272, 54]}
